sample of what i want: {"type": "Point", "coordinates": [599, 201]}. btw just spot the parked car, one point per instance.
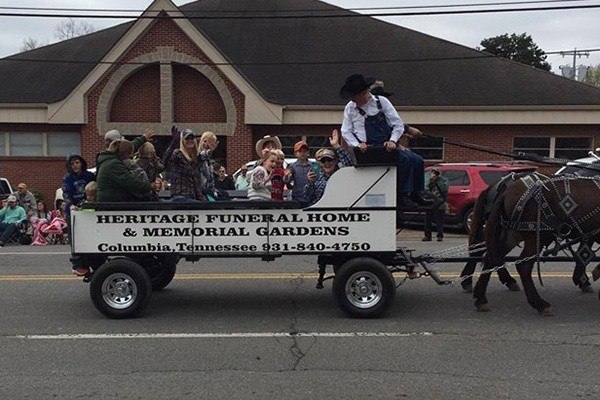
{"type": "Point", "coordinates": [5, 188]}
{"type": "Point", "coordinates": [466, 182]}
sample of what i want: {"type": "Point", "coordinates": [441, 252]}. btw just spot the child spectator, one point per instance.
{"type": "Point", "coordinates": [91, 190]}
{"type": "Point", "coordinates": [73, 185]}
{"type": "Point", "coordinates": [260, 181]}
{"type": "Point", "coordinates": [277, 184]}
{"type": "Point", "coordinates": [266, 144]}
{"type": "Point", "coordinates": [296, 175]}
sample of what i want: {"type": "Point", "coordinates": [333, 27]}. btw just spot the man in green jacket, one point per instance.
{"type": "Point", "coordinates": [12, 215]}
{"type": "Point", "coordinates": [437, 187]}
{"type": "Point", "coordinates": [116, 182]}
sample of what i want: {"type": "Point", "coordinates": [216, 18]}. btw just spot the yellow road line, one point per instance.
{"type": "Point", "coordinates": [247, 276]}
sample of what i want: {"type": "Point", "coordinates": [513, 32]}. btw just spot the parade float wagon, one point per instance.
{"type": "Point", "coordinates": [132, 249]}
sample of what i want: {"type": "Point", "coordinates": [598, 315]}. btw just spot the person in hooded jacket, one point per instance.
{"type": "Point", "coordinates": [74, 182]}
{"type": "Point", "coordinates": [116, 182]}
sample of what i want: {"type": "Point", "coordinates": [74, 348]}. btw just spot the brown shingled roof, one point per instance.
{"type": "Point", "coordinates": [465, 78]}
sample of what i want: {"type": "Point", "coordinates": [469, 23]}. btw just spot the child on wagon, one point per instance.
{"type": "Point", "coordinates": [277, 183]}
{"type": "Point", "coordinates": [296, 175]}
{"type": "Point", "coordinates": [260, 181]}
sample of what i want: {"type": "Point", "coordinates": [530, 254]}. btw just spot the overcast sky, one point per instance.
{"type": "Point", "coordinates": [551, 30]}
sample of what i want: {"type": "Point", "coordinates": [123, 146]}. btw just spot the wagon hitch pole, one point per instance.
{"type": "Point", "coordinates": [434, 274]}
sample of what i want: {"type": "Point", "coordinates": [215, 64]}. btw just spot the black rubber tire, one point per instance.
{"type": "Point", "coordinates": [128, 269]}
{"type": "Point", "coordinates": [162, 274]}
{"type": "Point", "coordinates": [367, 268]}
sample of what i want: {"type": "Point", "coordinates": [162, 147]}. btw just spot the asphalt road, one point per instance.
{"type": "Point", "coordinates": [240, 328]}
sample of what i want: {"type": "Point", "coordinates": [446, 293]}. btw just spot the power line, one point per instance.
{"type": "Point", "coordinates": [300, 16]}
{"type": "Point", "coordinates": [275, 63]}
{"type": "Point", "coordinates": [298, 10]}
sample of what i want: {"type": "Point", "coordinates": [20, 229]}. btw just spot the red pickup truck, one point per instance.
{"type": "Point", "coordinates": [467, 181]}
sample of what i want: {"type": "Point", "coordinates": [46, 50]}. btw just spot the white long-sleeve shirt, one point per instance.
{"type": "Point", "coordinates": [355, 123]}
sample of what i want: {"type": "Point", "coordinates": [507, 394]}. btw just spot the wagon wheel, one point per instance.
{"type": "Point", "coordinates": [120, 288]}
{"type": "Point", "coordinates": [363, 288]}
{"type": "Point", "coordinates": [162, 270]}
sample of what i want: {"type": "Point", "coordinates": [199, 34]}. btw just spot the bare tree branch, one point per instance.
{"type": "Point", "coordinates": [30, 44]}
{"type": "Point", "coordinates": [70, 28]}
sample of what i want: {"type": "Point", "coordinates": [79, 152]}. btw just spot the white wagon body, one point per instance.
{"type": "Point", "coordinates": [133, 248]}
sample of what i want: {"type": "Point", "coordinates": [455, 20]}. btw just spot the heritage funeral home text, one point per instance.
{"type": "Point", "coordinates": [233, 232]}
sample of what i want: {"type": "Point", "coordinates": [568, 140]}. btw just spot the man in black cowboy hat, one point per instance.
{"type": "Point", "coordinates": [373, 122]}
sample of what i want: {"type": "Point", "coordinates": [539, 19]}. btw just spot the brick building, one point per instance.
{"type": "Point", "coordinates": [201, 66]}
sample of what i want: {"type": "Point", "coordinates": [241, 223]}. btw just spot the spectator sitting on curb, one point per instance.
{"type": "Point", "coordinates": [11, 215]}
{"type": "Point", "coordinates": [26, 199]}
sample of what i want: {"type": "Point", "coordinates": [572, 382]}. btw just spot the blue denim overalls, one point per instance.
{"type": "Point", "coordinates": [377, 129]}
{"type": "Point", "coordinates": [410, 174]}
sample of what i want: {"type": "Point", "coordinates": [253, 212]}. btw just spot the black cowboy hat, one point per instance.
{"type": "Point", "coordinates": [354, 85]}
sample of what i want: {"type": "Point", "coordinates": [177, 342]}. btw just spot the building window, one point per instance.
{"type": "Point", "coordinates": [572, 147]}
{"type": "Point", "coordinates": [287, 144]}
{"type": "Point", "coordinates": [559, 147]}
{"type": "Point", "coordinates": [63, 144]}
{"type": "Point", "coordinates": [430, 149]}
{"type": "Point", "coordinates": [28, 144]}
{"type": "Point", "coordinates": [537, 145]}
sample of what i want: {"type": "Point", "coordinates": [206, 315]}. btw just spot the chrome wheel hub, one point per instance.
{"type": "Point", "coordinates": [119, 291]}
{"type": "Point", "coordinates": [364, 289]}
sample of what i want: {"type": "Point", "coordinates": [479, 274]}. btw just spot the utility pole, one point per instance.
{"type": "Point", "coordinates": [574, 72]}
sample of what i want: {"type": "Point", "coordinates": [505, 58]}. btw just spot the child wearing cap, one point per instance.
{"type": "Point", "coordinates": [296, 175]}
{"type": "Point", "coordinates": [330, 161]}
